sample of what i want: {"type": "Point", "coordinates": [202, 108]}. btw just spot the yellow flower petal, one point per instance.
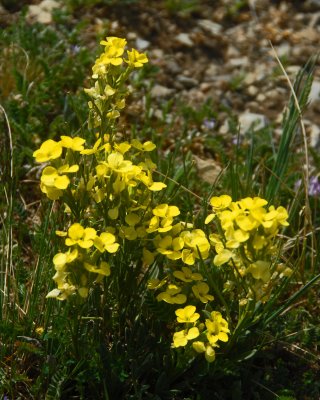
{"type": "Point", "coordinates": [157, 186]}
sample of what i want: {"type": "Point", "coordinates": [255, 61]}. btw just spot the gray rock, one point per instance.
{"type": "Point", "coordinates": [187, 82]}
{"type": "Point", "coordinates": [211, 72]}
{"type": "Point", "coordinates": [161, 116]}
{"type": "Point", "coordinates": [173, 67]}
{"type": "Point", "coordinates": [314, 92]}
{"type": "Point", "coordinates": [184, 39]}
{"type": "Point", "coordinates": [142, 44]}
{"type": "Point", "coordinates": [239, 62]}
{"type": "Point", "coordinates": [314, 135]}
{"type": "Point", "coordinates": [208, 169]}
{"type": "Point", "coordinates": [156, 53]}
{"type": "Point", "coordinates": [253, 90]}
{"type": "Point", "coordinates": [283, 50]}
{"type": "Point", "coordinates": [210, 26]}
{"type": "Point", "coordinates": [249, 120]}
{"type": "Point", "coordinates": [159, 91]}
{"type": "Point", "coordinates": [131, 36]}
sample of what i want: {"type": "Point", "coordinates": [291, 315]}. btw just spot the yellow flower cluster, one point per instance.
{"type": "Point", "coordinates": [182, 244]}
{"type": "Point", "coordinates": [108, 185]}
{"type": "Point", "coordinates": [107, 95]}
{"type": "Point", "coordinates": [84, 263]}
{"type": "Point", "coordinates": [248, 242]}
{"type": "Point", "coordinates": [207, 334]}
{"type": "Point", "coordinates": [183, 248]}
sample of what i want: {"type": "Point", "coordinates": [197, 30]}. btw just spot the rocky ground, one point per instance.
{"type": "Point", "coordinates": [223, 52]}
{"type": "Point", "coordinates": [219, 50]}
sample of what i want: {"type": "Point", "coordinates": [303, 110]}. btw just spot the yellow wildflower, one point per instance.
{"type": "Point", "coordinates": [260, 270]}
{"type": "Point", "coordinates": [198, 246]}
{"type": "Point", "coordinates": [201, 347]}
{"type": "Point", "coordinates": [146, 146]}
{"type": "Point", "coordinates": [187, 275]}
{"type": "Point", "coordinates": [136, 59]}
{"type": "Point", "coordinates": [103, 269]}
{"type": "Point", "coordinates": [155, 283]}
{"type": "Point", "coordinates": [217, 328]}
{"type": "Point", "coordinates": [77, 235]}
{"type": "Point", "coordinates": [61, 259]}
{"type": "Point", "coordinates": [181, 338]}
{"type": "Point", "coordinates": [49, 150]}
{"type": "Point", "coordinates": [106, 242]}
{"type": "Point", "coordinates": [53, 182]}
{"type": "Point", "coordinates": [222, 257]}
{"type": "Point", "coordinates": [163, 218]}
{"type": "Point", "coordinates": [201, 290]}
{"type": "Point", "coordinates": [170, 247]}
{"type": "Point", "coordinates": [172, 295]}
{"type": "Point", "coordinates": [75, 143]}
{"type": "Point", "coordinates": [95, 148]}
{"type": "Point", "coordinates": [165, 211]}
{"type": "Point", "coordinates": [220, 202]}
{"type": "Point", "coordinates": [116, 43]}
{"type": "Point", "coordinates": [147, 256]}
{"type": "Point", "coordinates": [187, 314]}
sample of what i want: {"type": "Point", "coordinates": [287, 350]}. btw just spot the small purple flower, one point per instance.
{"type": "Point", "coordinates": [314, 186]}
{"type": "Point", "coordinates": [75, 49]}
{"type": "Point", "coordinates": [237, 140]}
{"type": "Point", "coordinates": [209, 123]}
{"type": "Point", "coordinates": [297, 185]}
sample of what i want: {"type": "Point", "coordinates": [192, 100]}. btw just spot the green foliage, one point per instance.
{"type": "Point", "coordinates": [182, 6]}
{"type": "Point", "coordinates": [291, 119]}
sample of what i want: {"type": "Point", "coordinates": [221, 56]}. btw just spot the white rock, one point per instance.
{"type": "Point", "coordinates": [42, 12]}
{"type": "Point", "coordinates": [261, 97]}
{"type": "Point", "coordinates": [210, 26]}
{"type": "Point", "coordinates": [293, 69]}
{"type": "Point", "coordinates": [283, 50]}
{"type": "Point", "coordinates": [314, 92]}
{"type": "Point", "coordinates": [34, 10]}
{"type": "Point", "coordinates": [249, 120]}
{"type": "Point", "coordinates": [224, 128]}
{"type": "Point", "coordinates": [160, 91]}
{"type": "Point", "coordinates": [314, 135]}
{"type": "Point", "coordinates": [157, 53]}
{"type": "Point", "coordinates": [161, 116]}
{"type": "Point", "coordinates": [173, 67]}
{"type": "Point", "coordinates": [44, 17]}
{"type": "Point", "coordinates": [208, 169]}
{"type": "Point", "coordinates": [187, 82]}
{"type": "Point", "coordinates": [131, 36]}
{"type": "Point", "coordinates": [49, 5]}
{"type": "Point", "coordinates": [114, 25]}
{"type": "Point", "coordinates": [212, 71]}
{"type": "Point", "coordinates": [142, 44]}
{"type": "Point", "coordinates": [253, 90]}
{"type": "Point", "coordinates": [184, 38]}
{"type": "Point", "coordinates": [232, 52]}
{"type": "Point", "coordinates": [239, 62]}
{"type": "Point", "coordinates": [37, 14]}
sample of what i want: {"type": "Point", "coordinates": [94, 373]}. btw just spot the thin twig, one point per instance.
{"type": "Point", "coordinates": [9, 197]}
{"type": "Point", "coordinates": [265, 388]}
